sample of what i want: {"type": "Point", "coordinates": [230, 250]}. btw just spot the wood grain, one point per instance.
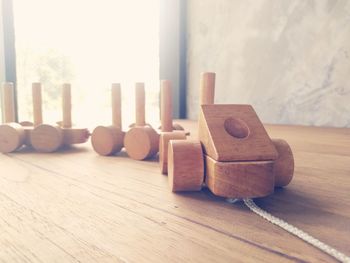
{"type": "Point", "coordinates": [73, 205]}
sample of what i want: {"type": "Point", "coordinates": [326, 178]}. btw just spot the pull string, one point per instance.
{"type": "Point", "coordinates": [294, 230]}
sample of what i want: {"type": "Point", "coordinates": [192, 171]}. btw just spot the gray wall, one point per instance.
{"type": "Point", "coordinates": [289, 59]}
{"type": "Point", "coordinates": [2, 59]}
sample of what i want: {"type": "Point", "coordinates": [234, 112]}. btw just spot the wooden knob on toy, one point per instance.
{"type": "Point", "coordinates": [66, 106]}
{"type": "Point", "coordinates": [165, 137]}
{"type": "Point", "coordinates": [207, 88]}
{"type": "Point", "coordinates": [9, 114]}
{"type": "Point", "coordinates": [110, 140]}
{"type": "Point", "coordinates": [166, 106]}
{"type": "Point", "coordinates": [12, 137]}
{"type": "Point", "coordinates": [185, 165]}
{"type": "Point", "coordinates": [140, 104]}
{"type": "Point", "coordinates": [46, 138]}
{"type": "Point", "coordinates": [283, 168]}
{"type": "Point", "coordinates": [37, 104]}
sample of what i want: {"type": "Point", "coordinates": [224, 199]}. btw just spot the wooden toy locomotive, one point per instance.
{"type": "Point", "coordinates": [233, 156]}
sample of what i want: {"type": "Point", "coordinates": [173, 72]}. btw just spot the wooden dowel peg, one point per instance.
{"type": "Point", "coordinates": [166, 106]}
{"type": "Point", "coordinates": [141, 141]}
{"type": "Point", "coordinates": [207, 87]}
{"type": "Point", "coordinates": [66, 106]}
{"type": "Point", "coordinates": [49, 138]}
{"type": "Point", "coordinates": [116, 106]}
{"type": "Point", "coordinates": [108, 140]}
{"type": "Point", "coordinates": [9, 114]}
{"type": "Point", "coordinates": [37, 103]}
{"type": "Point", "coordinates": [140, 104]}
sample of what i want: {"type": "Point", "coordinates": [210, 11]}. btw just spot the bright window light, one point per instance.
{"type": "Point", "coordinates": [89, 44]}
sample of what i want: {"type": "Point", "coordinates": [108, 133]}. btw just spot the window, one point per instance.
{"type": "Point", "coordinates": [89, 44]}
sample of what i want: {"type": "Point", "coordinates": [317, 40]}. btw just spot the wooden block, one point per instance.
{"type": "Point", "coordinates": [239, 179]}
{"type": "Point", "coordinates": [107, 140]}
{"type": "Point", "coordinates": [165, 137]}
{"type": "Point", "coordinates": [46, 138]}
{"type": "Point", "coordinates": [185, 165]}
{"type": "Point", "coordinates": [283, 168]}
{"type": "Point", "coordinates": [141, 142]}
{"type": "Point", "coordinates": [12, 137]}
{"type": "Point", "coordinates": [234, 133]}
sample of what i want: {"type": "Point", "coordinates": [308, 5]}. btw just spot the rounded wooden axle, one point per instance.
{"type": "Point", "coordinates": [8, 102]}
{"type": "Point", "coordinates": [207, 87]}
{"type": "Point", "coordinates": [116, 106]}
{"type": "Point", "coordinates": [37, 104]}
{"type": "Point", "coordinates": [66, 106]}
{"type": "Point", "coordinates": [140, 104]}
{"type": "Point", "coordinates": [165, 137]}
{"type": "Point", "coordinates": [185, 165]}
{"type": "Point", "coordinates": [166, 106]}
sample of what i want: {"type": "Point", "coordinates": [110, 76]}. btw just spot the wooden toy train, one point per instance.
{"type": "Point", "coordinates": [233, 156]}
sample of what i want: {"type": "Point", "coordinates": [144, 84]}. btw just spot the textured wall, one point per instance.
{"type": "Point", "coordinates": [289, 59]}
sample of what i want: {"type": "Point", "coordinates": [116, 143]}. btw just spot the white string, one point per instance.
{"type": "Point", "coordinates": [294, 230]}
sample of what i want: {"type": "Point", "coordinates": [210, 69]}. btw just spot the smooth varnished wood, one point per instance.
{"type": "Point", "coordinates": [239, 179]}
{"type": "Point", "coordinates": [185, 165]}
{"type": "Point", "coordinates": [73, 205]}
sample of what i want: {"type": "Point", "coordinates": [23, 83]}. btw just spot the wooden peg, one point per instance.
{"type": "Point", "coordinates": [166, 106]}
{"type": "Point", "coordinates": [167, 133]}
{"type": "Point", "coordinates": [207, 87]}
{"type": "Point", "coordinates": [12, 135]}
{"type": "Point", "coordinates": [141, 142]}
{"type": "Point", "coordinates": [107, 140]}
{"type": "Point", "coordinates": [8, 102]}
{"type": "Point", "coordinates": [185, 165]}
{"type": "Point", "coordinates": [37, 104]}
{"type": "Point", "coordinates": [49, 138]}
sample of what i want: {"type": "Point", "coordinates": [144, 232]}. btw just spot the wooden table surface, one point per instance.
{"type": "Point", "coordinates": [76, 206]}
